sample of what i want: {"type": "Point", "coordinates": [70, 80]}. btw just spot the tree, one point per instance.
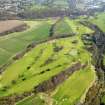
{"type": "Point", "coordinates": [72, 4]}
{"type": "Point", "coordinates": [14, 6]}
{"type": "Point", "coordinates": [48, 3]}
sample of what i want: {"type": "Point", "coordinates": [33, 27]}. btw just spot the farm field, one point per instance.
{"type": "Point", "coordinates": [18, 41]}
{"type": "Point", "coordinates": [67, 93]}
{"type": "Point", "coordinates": [99, 20]}
{"type": "Point", "coordinates": [52, 52]}
{"type": "Point", "coordinates": [13, 43]}
{"type": "Point", "coordinates": [47, 60]}
{"type": "Point", "coordinates": [34, 65]}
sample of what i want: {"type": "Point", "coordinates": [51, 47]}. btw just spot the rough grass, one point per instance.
{"type": "Point", "coordinates": [39, 30]}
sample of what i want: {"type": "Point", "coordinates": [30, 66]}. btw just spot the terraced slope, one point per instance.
{"type": "Point", "coordinates": [99, 20]}
{"type": "Point", "coordinates": [41, 63]}
{"type": "Point", "coordinates": [49, 60]}
{"type": "Point", "coordinates": [70, 92]}
{"type": "Point", "coordinates": [16, 42]}
{"type": "Point", "coordinates": [32, 100]}
{"type": "Point", "coordinates": [62, 28]}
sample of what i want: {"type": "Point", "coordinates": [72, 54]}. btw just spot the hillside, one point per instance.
{"type": "Point", "coordinates": [52, 52]}
{"type": "Point", "coordinates": [51, 65]}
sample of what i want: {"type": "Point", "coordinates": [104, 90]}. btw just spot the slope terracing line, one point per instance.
{"type": "Point", "coordinates": [45, 86]}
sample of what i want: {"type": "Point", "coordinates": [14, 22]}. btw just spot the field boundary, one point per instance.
{"type": "Point", "coordinates": [19, 55]}
{"type": "Point", "coordinates": [54, 81]}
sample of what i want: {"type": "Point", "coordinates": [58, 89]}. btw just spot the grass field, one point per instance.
{"type": "Point", "coordinates": [99, 20]}
{"type": "Point", "coordinates": [46, 60]}
{"type": "Point", "coordinates": [16, 42]}
{"type": "Point", "coordinates": [63, 28]}
{"type": "Point", "coordinates": [39, 30]}
{"type": "Point", "coordinates": [69, 93]}
{"type": "Point", "coordinates": [33, 100]}
{"type": "Point", "coordinates": [36, 61]}
{"type": "Point", "coordinates": [103, 99]}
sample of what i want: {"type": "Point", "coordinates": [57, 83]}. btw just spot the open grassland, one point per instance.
{"type": "Point", "coordinates": [16, 42]}
{"type": "Point", "coordinates": [99, 20]}
{"type": "Point", "coordinates": [47, 60]}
